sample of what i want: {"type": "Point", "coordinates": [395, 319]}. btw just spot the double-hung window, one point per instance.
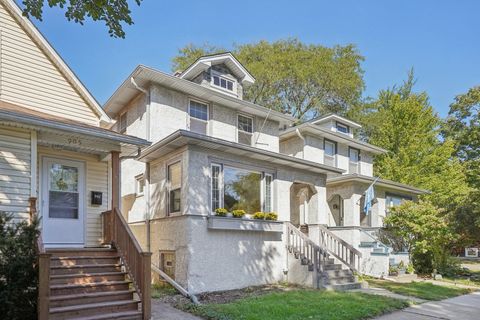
{"type": "Point", "coordinates": [174, 172]}
{"type": "Point", "coordinates": [237, 188]}
{"type": "Point", "coordinates": [330, 150]}
{"type": "Point", "coordinates": [245, 129]}
{"type": "Point", "coordinates": [354, 160]}
{"type": "Point", "coordinates": [198, 116]}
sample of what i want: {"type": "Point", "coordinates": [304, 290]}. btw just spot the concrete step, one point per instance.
{"type": "Point", "coordinates": [338, 280]}
{"type": "Point", "coordinates": [93, 309]}
{"type": "Point", "coordinates": [367, 244]}
{"type": "Point", "coordinates": [337, 273]}
{"type": "Point", "coordinates": [74, 260]}
{"type": "Point", "coordinates": [88, 298]}
{"type": "Point", "coordinates": [334, 266]}
{"type": "Point", "coordinates": [344, 286]}
{"type": "Point", "coordinates": [80, 278]}
{"type": "Point", "coordinates": [67, 289]}
{"type": "Point", "coordinates": [85, 268]}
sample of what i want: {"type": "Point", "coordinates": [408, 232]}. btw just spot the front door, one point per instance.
{"type": "Point", "coordinates": [63, 183]}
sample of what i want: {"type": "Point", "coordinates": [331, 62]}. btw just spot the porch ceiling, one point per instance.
{"type": "Point", "coordinates": [66, 134]}
{"type": "Point", "coordinates": [181, 138]}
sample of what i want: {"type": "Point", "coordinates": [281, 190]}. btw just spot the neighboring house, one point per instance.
{"type": "Point", "coordinates": [58, 161]}
{"type": "Point", "coordinates": [212, 149]}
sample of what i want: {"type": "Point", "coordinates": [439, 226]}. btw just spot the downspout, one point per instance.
{"type": "Point", "coordinates": [303, 139]}
{"type": "Point", "coordinates": [147, 168]}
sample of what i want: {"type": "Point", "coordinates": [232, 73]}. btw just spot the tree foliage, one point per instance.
{"type": "Point", "coordinates": [425, 232]}
{"type": "Point", "coordinates": [18, 269]}
{"type": "Point", "coordinates": [292, 77]}
{"type": "Point", "coordinates": [404, 123]}
{"type": "Point", "coordinates": [463, 126]}
{"type": "Point", "coordinates": [113, 12]}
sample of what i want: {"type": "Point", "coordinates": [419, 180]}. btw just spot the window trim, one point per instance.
{"type": "Point", "coordinates": [170, 189]}
{"type": "Point", "coordinates": [201, 102]}
{"type": "Point", "coordinates": [337, 124]}
{"type": "Point", "coordinates": [138, 178]}
{"type": "Point", "coordinates": [214, 73]}
{"type": "Point", "coordinates": [245, 132]}
{"type": "Point", "coordinates": [334, 145]}
{"type": "Point", "coordinates": [264, 191]}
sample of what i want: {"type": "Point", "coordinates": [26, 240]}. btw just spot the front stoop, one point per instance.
{"type": "Point", "coordinates": [90, 284]}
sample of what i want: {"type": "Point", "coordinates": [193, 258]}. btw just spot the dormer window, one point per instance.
{"type": "Point", "coordinates": [222, 82]}
{"type": "Point", "coordinates": [342, 128]}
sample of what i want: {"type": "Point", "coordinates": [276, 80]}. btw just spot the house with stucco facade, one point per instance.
{"type": "Point", "coordinates": [213, 150]}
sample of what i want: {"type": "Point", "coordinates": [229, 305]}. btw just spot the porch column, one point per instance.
{"type": "Point", "coordinates": [115, 179]}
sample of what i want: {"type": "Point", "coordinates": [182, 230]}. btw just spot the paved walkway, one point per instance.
{"type": "Point", "coordinates": [164, 311]}
{"type": "Point", "coordinates": [386, 293]}
{"type": "Point", "coordinates": [465, 307]}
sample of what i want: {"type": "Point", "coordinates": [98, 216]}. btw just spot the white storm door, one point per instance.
{"type": "Point", "coordinates": [63, 184]}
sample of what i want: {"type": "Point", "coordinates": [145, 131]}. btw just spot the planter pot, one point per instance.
{"type": "Point", "coordinates": [240, 224]}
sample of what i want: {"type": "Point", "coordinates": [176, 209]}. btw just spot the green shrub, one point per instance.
{"type": "Point", "coordinates": [259, 215]}
{"type": "Point", "coordinates": [401, 265]}
{"type": "Point", "coordinates": [18, 268]}
{"type": "Point", "coordinates": [221, 212]}
{"type": "Point", "coordinates": [238, 213]}
{"type": "Point", "coordinates": [271, 216]}
{"type": "Point", "coordinates": [410, 269]}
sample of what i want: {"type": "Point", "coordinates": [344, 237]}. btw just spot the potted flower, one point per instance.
{"type": "Point", "coordinates": [259, 215]}
{"type": "Point", "coordinates": [238, 213]}
{"type": "Point", "coordinates": [273, 216]}
{"type": "Point", "coordinates": [221, 212]}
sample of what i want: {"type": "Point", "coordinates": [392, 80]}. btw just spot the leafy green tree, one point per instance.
{"type": "Point", "coordinates": [425, 231]}
{"type": "Point", "coordinates": [112, 12]}
{"type": "Point", "coordinates": [403, 122]}
{"type": "Point", "coordinates": [463, 126]}
{"type": "Point", "coordinates": [293, 77]}
{"type": "Point", "coordinates": [18, 269]}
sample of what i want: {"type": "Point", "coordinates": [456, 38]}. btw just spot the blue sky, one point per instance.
{"type": "Point", "coordinates": [440, 39]}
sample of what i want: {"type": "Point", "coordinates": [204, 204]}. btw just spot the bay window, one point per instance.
{"type": "Point", "coordinates": [235, 188]}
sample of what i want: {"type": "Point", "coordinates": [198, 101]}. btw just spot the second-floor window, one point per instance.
{"type": "Point", "coordinates": [222, 82]}
{"type": "Point", "coordinates": [174, 172]}
{"type": "Point", "coordinates": [330, 149]}
{"type": "Point", "coordinates": [122, 127]}
{"type": "Point", "coordinates": [354, 160]}
{"type": "Point", "coordinates": [198, 117]}
{"type": "Point", "coordinates": [245, 129]}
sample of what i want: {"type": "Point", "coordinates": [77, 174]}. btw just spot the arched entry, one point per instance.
{"type": "Point", "coordinates": [336, 208]}
{"type": "Point", "coordinates": [300, 206]}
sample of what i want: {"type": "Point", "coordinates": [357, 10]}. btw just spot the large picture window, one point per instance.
{"type": "Point", "coordinates": [174, 187]}
{"type": "Point", "coordinates": [235, 188]}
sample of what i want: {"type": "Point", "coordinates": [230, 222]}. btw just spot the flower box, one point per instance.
{"type": "Point", "coordinates": [226, 223]}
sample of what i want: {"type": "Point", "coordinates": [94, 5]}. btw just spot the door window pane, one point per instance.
{"type": "Point", "coordinates": [63, 199]}
{"type": "Point", "coordinates": [242, 190]}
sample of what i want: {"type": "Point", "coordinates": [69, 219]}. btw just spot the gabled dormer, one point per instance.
{"type": "Point", "coordinates": [221, 72]}
{"type": "Point", "coordinates": [337, 123]}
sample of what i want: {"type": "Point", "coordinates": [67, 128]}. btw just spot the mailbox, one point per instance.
{"type": "Point", "coordinates": [96, 198]}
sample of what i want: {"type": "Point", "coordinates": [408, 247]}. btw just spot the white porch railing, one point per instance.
{"type": "Point", "coordinates": [340, 249]}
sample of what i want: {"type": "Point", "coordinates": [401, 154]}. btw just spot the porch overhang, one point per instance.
{"type": "Point", "coordinates": [182, 138]}
{"type": "Point", "coordinates": [67, 134]}
{"type": "Point", "coordinates": [367, 180]}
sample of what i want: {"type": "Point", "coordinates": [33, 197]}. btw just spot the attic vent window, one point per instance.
{"type": "Point", "coordinates": [223, 83]}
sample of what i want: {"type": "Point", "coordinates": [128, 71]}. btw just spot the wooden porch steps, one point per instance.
{"type": "Point", "coordinates": [90, 284]}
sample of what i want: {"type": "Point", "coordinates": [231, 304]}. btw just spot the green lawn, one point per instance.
{"type": "Point", "coordinates": [300, 304]}
{"type": "Point", "coordinates": [422, 290]}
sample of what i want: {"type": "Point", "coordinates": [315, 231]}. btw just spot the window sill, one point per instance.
{"type": "Point", "coordinates": [227, 223]}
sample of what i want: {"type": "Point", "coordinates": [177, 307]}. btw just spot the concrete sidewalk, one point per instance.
{"type": "Point", "coordinates": [465, 307]}
{"type": "Point", "coordinates": [164, 311]}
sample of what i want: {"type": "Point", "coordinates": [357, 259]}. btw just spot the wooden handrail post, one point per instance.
{"type": "Point", "coordinates": [43, 286]}
{"type": "Point", "coordinates": [115, 179]}
{"type": "Point", "coordinates": [147, 282]}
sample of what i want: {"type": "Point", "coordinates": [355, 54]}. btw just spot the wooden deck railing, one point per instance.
{"type": "Point", "coordinates": [138, 263]}
{"type": "Point", "coordinates": [340, 249]}
{"type": "Point", "coordinates": [300, 244]}
{"type": "Point", "coordinates": [43, 301]}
